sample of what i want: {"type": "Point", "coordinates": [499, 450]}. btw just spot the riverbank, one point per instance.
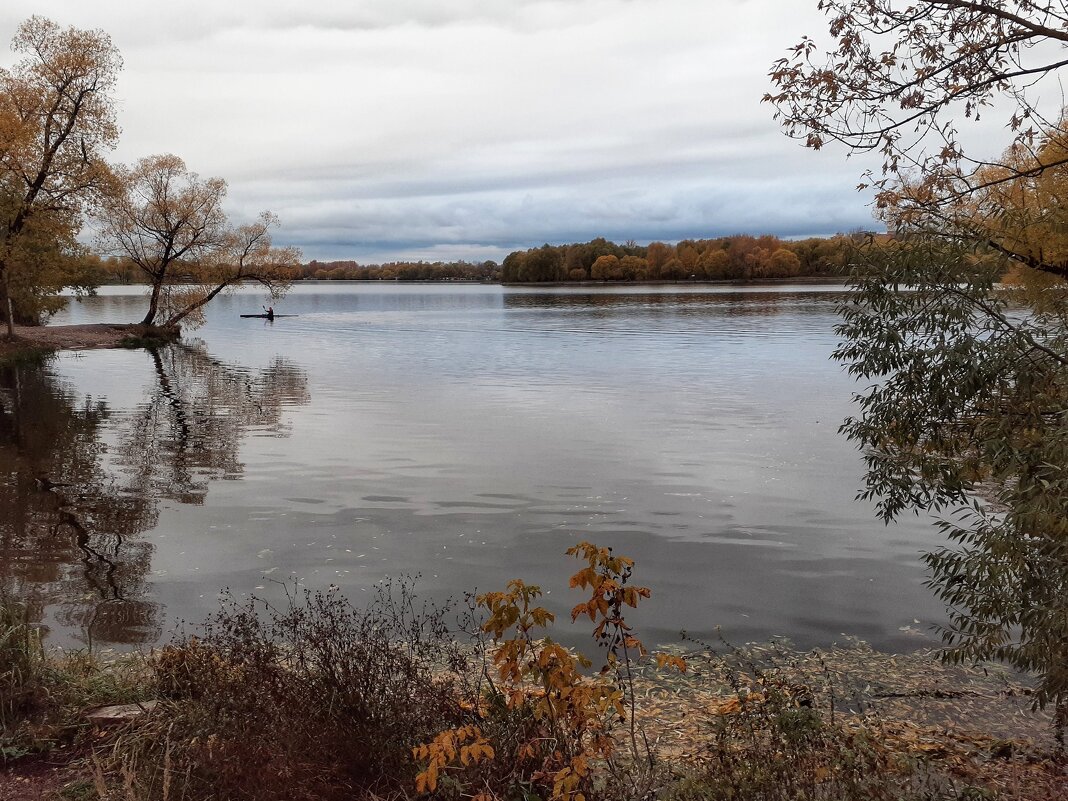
{"type": "Point", "coordinates": [237, 712]}
{"type": "Point", "coordinates": [39, 340]}
{"type": "Point", "coordinates": [957, 733]}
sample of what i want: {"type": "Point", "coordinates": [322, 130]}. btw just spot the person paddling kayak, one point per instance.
{"type": "Point", "coordinates": [270, 312]}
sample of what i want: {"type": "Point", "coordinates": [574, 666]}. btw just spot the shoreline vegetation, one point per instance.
{"type": "Point", "coordinates": [740, 257]}
{"type": "Point", "coordinates": [402, 699]}
{"type": "Point", "coordinates": [593, 264]}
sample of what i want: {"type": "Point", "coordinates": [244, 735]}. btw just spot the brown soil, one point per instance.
{"type": "Point", "coordinates": [38, 779]}
{"type": "Point", "coordinates": [77, 337]}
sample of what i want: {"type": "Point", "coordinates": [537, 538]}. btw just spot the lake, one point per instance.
{"type": "Point", "coordinates": [469, 434]}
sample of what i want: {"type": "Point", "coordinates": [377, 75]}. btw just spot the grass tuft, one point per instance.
{"type": "Point", "coordinates": [22, 666]}
{"type": "Point", "coordinates": [43, 696]}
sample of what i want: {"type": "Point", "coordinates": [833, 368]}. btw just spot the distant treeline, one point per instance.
{"type": "Point", "coordinates": [736, 258]}
{"type": "Point", "coordinates": [401, 271]}
{"type": "Point", "coordinates": [118, 271]}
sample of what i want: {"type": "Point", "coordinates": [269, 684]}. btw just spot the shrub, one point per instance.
{"type": "Point", "coordinates": [543, 726]}
{"type": "Point", "coordinates": [317, 699]}
{"type": "Point", "coordinates": [774, 735]}
{"type": "Point", "coordinates": [320, 700]}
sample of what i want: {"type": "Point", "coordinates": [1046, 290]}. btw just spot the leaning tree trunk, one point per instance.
{"type": "Point", "coordinates": [7, 307]}
{"type": "Point", "coordinates": [10, 317]}
{"type": "Point", "coordinates": [192, 307]}
{"type": "Point", "coordinates": [153, 303]}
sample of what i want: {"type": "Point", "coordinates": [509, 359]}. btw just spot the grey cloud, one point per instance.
{"type": "Point", "coordinates": [394, 228]}
{"type": "Point", "coordinates": [405, 127]}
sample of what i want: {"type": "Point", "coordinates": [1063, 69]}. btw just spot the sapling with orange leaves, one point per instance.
{"type": "Point", "coordinates": [568, 717]}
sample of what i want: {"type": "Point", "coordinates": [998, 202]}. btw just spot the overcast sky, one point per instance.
{"type": "Point", "coordinates": [408, 129]}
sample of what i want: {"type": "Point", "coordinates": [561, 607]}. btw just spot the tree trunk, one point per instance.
{"type": "Point", "coordinates": [153, 302]}
{"type": "Point", "coordinates": [192, 307]}
{"type": "Point", "coordinates": [9, 306]}
{"type": "Point", "coordinates": [1060, 722]}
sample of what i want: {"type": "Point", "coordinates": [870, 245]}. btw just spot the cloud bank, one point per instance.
{"type": "Point", "coordinates": [382, 130]}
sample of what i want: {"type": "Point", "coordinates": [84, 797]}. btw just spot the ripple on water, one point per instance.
{"type": "Point", "coordinates": [473, 434]}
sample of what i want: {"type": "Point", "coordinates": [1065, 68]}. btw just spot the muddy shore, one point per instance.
{"type": "Point", "coordinates": [30, 340]}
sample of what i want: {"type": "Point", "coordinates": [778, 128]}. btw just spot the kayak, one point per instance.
{"type": "Point", "coordinates": [267, 316]}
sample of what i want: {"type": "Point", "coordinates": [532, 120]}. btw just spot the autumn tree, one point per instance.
{"type": "Point", "coordinates": [1021, 208]}
{"type": "Point", "coordinates": [247, 254]}
{"type": "Point", "coordinates": [819, 255]}
{"type": "Point", "coordinates": [512, 266]}
{"type": "Point", "coordinates": [45, 258]}
{"type": "Point", "coordinates": [171, 224]}
{"type": "Point", "coordinates": [782, 263]}
{"type": "Point", "coordinates": [740, 257]}
{"type": "Point", "coordinates": [633, 268]}
{"type": "Point", "coordinates": [904, 76]}
{"type": "Point", "coordinates": [657, 255]}
{"type": "Point", "coordinates": [687, 254]}
{"type": "Point", "coordinates": [966, 378]}
{"type": "Point", "coordinates": [743, 255]}
{"type": "Point", "coordinates": [606, 268]}
{"type": "Point", "coordinates": [576, 262]}
{"type": "Point", "coordinates": [713, 263]}
{"type": "Point", "coordinates": [57, 120]}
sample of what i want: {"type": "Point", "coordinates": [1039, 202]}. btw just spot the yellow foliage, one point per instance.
{"type": "Point", "coordinates": [444, 749]}
{"type": "Point", "coordinates": [669, 660]}
{"type": "Point", "coordinates": [1021, 206]}
{"type": "Point", "coordinates": [572, 714]}
{"type": "Point", "coordinates": [57, 123]}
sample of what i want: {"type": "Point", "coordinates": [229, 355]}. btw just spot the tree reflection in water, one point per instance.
{"type": "Point", "coordinates": [71, 508]}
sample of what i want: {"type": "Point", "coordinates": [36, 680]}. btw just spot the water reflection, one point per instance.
{"type": "Point", "coordinates": [748, 303]}
{"type": "Point", "coordinates": [79, 481]}
{"type": "Point", "coordinates": [685, 314]}
{"type": "Point", "coordinates": [472, 433]}
{"type": "Point", "coordinates": [189, 428]}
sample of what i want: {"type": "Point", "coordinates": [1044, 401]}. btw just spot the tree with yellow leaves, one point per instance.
{"type": "Point", "coordinates": [1022, 209]}
{"type": "Point", "coordinates": [57, 120]}
{"type": "Point", "coordinates": [170, 222]}
{"type": "Point", "coordinates": [964, 406]}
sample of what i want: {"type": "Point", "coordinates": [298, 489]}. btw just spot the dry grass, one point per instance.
{"type": "Point", "coordinates": [770, 722]}
{"type": "Point", "coordinates": [316, 700]}
{"type": "Point", "coordinates": [43, 696]}
{"type": "Point", "coordinates": [320, 700]}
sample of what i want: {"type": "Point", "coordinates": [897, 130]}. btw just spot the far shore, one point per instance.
{"type": "Point", "coordinates": [800, 279]}
{"type": "Point", "coordinates": [746, 282]}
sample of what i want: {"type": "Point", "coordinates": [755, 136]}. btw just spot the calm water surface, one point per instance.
{"type": "Point", "coordinates": [466, 433]}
